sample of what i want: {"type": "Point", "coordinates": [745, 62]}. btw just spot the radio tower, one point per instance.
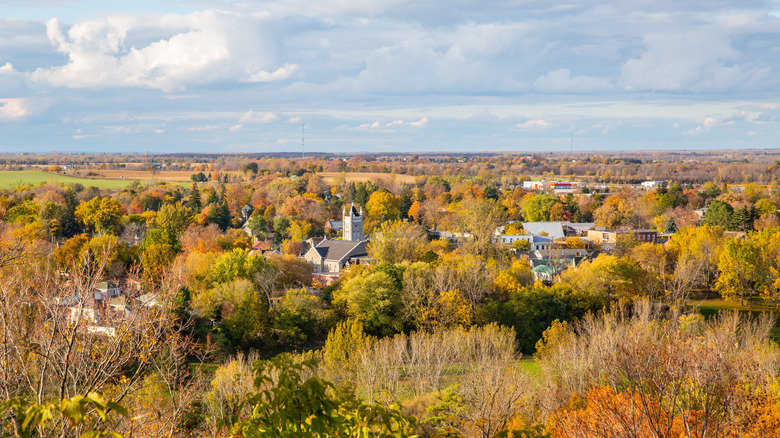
{"type": "Point", "coordinates": [303, 136]}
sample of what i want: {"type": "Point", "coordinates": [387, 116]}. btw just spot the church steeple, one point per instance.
{"type": "Point", "coordinates": [352, 223]}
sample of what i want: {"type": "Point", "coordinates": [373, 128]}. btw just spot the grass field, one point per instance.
{"type": "Point", "coordinates": [711, 307]}
{"type": "Point", "coordinates": [12, 178]}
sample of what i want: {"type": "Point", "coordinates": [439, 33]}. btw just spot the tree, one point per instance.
{"type": "Point", "coordinates": [102, 215]}
{"type": "Point", "coordinates": [237, 263]}
{"type": "Point", "coordinates": [382, 206]}
{"type": "Point", "coordinates": [175, 219]}
{"type": "Point", "coordinates": [68, 224]}
{"type": "Point", "coordinates": [193, 201]}
{"type": "Point", "coordinates": [251, 167]}
{"type": "Point", "coordinates": [300, 317]}
{"type": "Point", "coordinates": [744, 272]}
{"type": "Point", "coordinates": [538, 208]}
{"type": "Point", "coordinates": [287, 405]}
{"type": "Point", "coordinates": [374, 300]}
{"type": "Point", "coordinates": [405, 201]}
{"type": "Point", "coordinates": [398, 241]}
{"type": "Point", "coordinates": [695, 252]}
{"type": "Point", "coordinates": [720, 214]}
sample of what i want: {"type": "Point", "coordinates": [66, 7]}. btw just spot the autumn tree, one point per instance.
{"type": "Point", "coordinates": [397, 241]}
{"type": "Point", "coordinates": [102, 215]}
{"type": "Point", "coordinates": [382, 206]}
{"type": "Point", "coordinates": [743, 270]}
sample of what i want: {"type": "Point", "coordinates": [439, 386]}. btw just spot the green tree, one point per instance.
{"type": "Point", "coordinates": [238, 263]}
{"type": "Point", "coordinates": [538, 208]}
{"type": "Point", "coordinates": [175, 219]}
{"type": "Point", "coordinates": [374, 300]}
{"type": "Point", "coordinates": [193, 201]}
{"type": "Point", "coordinates": [720, 214]}
{"type": "Point", "coordinates": [287, 405]}
{"type": "Point", "coordinates": [300, 317]}
{"type": "Point", "coordinates": [405, 201]}
{"type": "Point", "coordinates": [68, 223]}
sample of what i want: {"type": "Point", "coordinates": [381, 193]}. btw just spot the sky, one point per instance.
{"type": "Point", "coordinates": [357, 76]}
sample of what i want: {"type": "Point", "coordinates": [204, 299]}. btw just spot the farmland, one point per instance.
{"type": "Point", "coordinates": [12, 178]}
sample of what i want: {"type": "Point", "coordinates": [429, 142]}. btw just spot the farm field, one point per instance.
{"type": "Point", "coordinates": [141, 175]}
{"type": "Point", "coordinates": [329, 177]}
{"type": "Point", "coordinates": [12, 178]}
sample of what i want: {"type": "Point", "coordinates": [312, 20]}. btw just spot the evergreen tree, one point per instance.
{"type": "Point", "coordinates": [405, 202]}
{"type": "Point", "coordinates": [671, 226]}
{"type": "Point", "coordinates": [224, 215]}
{"type": "Point", "coordinates": [193, 201]}
{"type": "Point", "coordinates": [69, 225]}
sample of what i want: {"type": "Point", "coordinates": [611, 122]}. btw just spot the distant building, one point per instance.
{"type": "Point", "coordinates": [536, 243]}
{"type": "Point", "coordinates": [601, 236]}
{"type": "Point", "coordinates": [556, 186]}
{"type": "Point", "coordinates": [558, 229]}
{"type": "Point", "coordinates": [332, 256]}
{"type": "Point", "coordinates": [653, 184]}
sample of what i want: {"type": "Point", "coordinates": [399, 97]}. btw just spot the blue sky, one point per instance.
{"type": "Point", "coordinates": [388, 75]}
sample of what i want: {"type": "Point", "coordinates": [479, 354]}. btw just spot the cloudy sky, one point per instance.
{"type": "Point", "coordinates": [388, 75]}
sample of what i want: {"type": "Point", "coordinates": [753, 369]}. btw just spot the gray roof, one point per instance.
{"type": "Point", "coordinates": [556, 229]}
{"type": "Point", "coordinates": [341, 249]}
{"type": "Point", "coordinates": [336, 225]}
{"type": "Point", "coordinates": [553, 229]}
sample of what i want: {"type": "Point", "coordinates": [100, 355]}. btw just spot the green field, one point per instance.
{"type": "Point", "coordinates": [711, 307]}
{"type": "Point", "coordinates": [12, 178]}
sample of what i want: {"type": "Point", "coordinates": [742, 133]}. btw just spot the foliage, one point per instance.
{"type": "Point", "coordinates": [101, 215]}
{"type": "Point", "coordinates": [285, 405]}
{"type": "Point", "coordinates": [28, 418]}
{"type": "Point", "coordinates": [300, 317]}
{"type": "Point", "coordinates": [374, 300]}
{"type": "Point", "coordinates": [382, 205]}
{"type": "Point", "coordinates": [397, 241]}
{"type": "Point", "coordinates": [539, 208]}
{"type": "Point", "coordinates": [530, 312]}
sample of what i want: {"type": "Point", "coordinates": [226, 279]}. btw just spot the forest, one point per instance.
{"type": "Point", "coordinates": [183, 303]}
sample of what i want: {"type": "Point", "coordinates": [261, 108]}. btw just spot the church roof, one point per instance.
{"type": "Point", "coordinates": [341, 249]}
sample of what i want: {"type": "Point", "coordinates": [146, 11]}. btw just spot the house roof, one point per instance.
{"type": "Point", "coordinates": [553, 229]}
{"type": "Point", "coordinates": [341, 249]}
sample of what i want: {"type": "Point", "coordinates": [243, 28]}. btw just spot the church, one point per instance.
{"type": "Point", "coordinates": [332, 256]}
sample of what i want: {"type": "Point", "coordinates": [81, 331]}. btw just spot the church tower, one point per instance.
{"type": "Point", "coordinates": [352, 224]}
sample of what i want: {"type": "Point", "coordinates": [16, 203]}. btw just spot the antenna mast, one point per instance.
{"type": "Point", "coordinates": [303, 136]}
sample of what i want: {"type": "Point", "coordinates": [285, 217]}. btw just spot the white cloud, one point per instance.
{"type": "Point", "coordinates": [197, 48]}
{"type": "Point", "coordinates": [534, 124]}
{"type": "Point", "coordinates": [20, 108]}
{"type": "Point", "coordinates": [235, 128]}
{"type": "Point", "coordinates": [280, 74]}
{"type": "Point", "coordinates": [418, 124]}
{"type": "Point", "coordinates": [561, 81]}
{"type": "Point", "coordinates": [258, 117]}
{"type": "Point", "coordinates": [701, 60]}
{"type": "Point", "coordinates": [708, 123]}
